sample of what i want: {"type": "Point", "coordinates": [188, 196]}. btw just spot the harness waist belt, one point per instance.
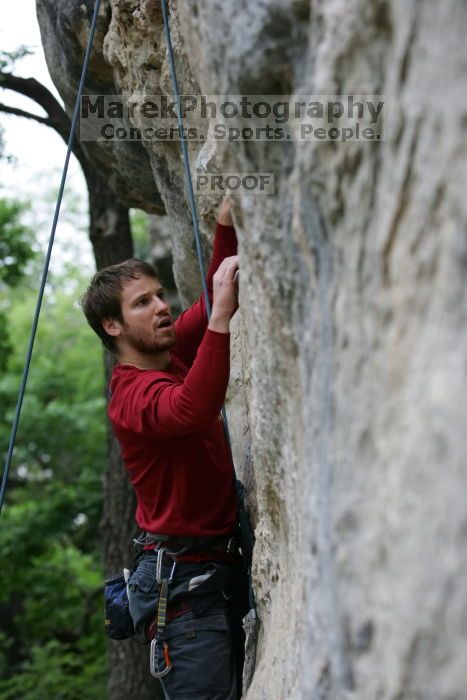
{"type": "Point", "coordinates": [220, 542]}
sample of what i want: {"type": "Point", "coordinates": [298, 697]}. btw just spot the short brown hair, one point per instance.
{"type": "Point", "coordinates": [102, 298]}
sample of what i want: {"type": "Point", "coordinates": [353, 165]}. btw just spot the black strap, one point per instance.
{"type": "Point", "coordinates": [220, 542]}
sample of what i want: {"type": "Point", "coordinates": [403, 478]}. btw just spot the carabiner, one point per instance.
{"type": "Point", "coordinates": [160, 555]}
{"type": "Point", "coordinates": [153, 660]}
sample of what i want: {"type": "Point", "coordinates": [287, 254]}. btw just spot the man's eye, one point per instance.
{"type": "Point", "coordinates": [142, 302]}
{"type": "Point", "coordinates": [161, 295]}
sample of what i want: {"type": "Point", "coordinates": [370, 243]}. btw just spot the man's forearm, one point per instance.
{"type": "Point", "coordinates": [225, 245]}
{"type": "Point", "coordinates": [225, 214]}
{"type": "Point", "coordinates": [219, 323]}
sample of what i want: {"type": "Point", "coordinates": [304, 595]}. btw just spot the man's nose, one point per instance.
{"type": "Point", "coordinates": [160, 305]}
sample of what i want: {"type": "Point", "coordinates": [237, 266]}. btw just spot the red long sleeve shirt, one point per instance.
{"type": "Point", "coordinates": [169, 427]}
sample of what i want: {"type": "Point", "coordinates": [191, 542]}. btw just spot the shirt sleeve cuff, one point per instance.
{"type": "Point", "coordinates": [225, 240]}
{"type": "Point", "coordinates": [215, 340]}
{"type": "Point", "coordinates": [225, 229]}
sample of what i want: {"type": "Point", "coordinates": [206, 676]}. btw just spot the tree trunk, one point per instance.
{"type": "Point", "coordinates": [110, 235]}
{"type": "Point", "coordinates": [128, 677]}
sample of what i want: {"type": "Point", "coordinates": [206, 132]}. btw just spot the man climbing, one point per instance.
{"type": "Point", "coordinates": [166, 392]}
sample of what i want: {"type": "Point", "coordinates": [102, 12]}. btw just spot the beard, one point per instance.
{"type": "Point", "coordinates": [149, 342]}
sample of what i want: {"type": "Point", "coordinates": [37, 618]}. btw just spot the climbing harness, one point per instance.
{"type": "Point", "coordinates": [45, 270]}
{"type": "Point", "coordinates": [244, 527]}
{"type": "Point", "coordinates": [210, 578]}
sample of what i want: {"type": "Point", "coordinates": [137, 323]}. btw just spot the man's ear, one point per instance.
{"type": "Point", "coordinates": [112, 326]}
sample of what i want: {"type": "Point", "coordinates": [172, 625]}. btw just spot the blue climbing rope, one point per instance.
{"type": "Point", "coordinates": [45, 270]}
{"type": "Point", "coordinates": [189, 186]}
{"type": "Point", "coordinates": [245, 527]}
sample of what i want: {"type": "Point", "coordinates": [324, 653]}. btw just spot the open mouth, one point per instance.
{"type": "Point", "coordinates": [165, 323]}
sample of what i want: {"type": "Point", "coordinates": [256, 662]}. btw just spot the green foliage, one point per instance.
{"type": "Point", "coordinates": [15, 252]}
{"type": "Point", "coordinates": [65, 568]}
{"type": "Point", "coordinates": [56, 645]}
{"type": "Point", "coordinates": [53, 643]}
{"type": "Point", "coordinates": [63, 414]}
{"type": "Point", "coordinates": [15, 243]}
{"type": "Point", "coordinates": [58, 671]}
{"type": "Point", "coordinates": [140, 234]}
{"type": "Point", "coordinates": [9, 58]}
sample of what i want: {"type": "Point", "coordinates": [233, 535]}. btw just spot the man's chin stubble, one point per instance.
{"type": "Point", "coordinates": [162, 346]}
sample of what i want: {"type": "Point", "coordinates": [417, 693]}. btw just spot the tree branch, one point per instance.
{"type": "Point", "coordinates": [22, 113]}
{"type": "Point", "coordinates": [57, 118]}
{"type": "Point", "coordinates": [30, 87]}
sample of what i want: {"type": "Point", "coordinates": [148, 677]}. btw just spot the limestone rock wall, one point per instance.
{"type": "Point", "coordinates": [349, 385]}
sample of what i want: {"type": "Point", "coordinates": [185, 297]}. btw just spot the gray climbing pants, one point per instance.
{"type": "Point", "coordinates": [203, 666]}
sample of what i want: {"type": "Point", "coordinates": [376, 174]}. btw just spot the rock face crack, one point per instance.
{"type": "Point", "coordinates": [403, 200]}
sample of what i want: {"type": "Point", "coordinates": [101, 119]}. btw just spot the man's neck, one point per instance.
{"type": "Point", "coordinates": [160, 360]}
